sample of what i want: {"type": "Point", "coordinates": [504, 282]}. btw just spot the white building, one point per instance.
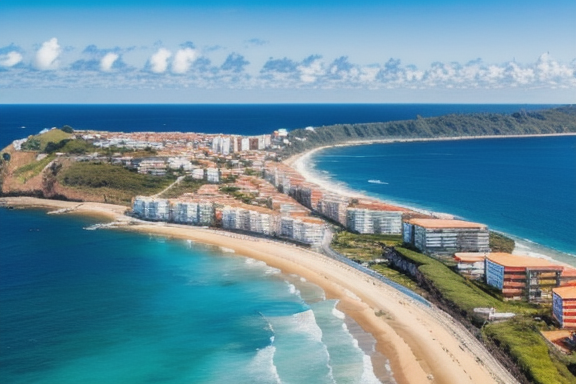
{"type": "Point", "coordinates": [198, 174]}
{"type": "Point", "coordinates": [213, 175]}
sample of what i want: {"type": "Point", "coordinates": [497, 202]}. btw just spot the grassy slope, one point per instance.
{"type": "Point", "coordinates": [114, 181]}
{"type": "Point", "coordinates": [519, 338]}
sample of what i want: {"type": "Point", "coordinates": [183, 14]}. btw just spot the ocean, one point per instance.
{"type": "Point", "coordinates": [524, 187]}
{"type": "Point", "coordinates": [19, 121]}
{"type": "Point", "coordinates": [109, 306]}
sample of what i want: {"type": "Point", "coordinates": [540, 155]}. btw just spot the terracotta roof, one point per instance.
{"type": "Point", "coordinates": [442, 223]}
{"type": "Point", "coordinates": [508, 260]}
{"type": "Point", "coordinates": [469, 257]}
{"type": "Point", "coordinates": [565, 292]}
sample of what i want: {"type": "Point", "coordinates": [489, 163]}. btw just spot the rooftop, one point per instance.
{"type": "Point", "coordinates": [565, 292]}
{"type": "Point", "coordinates": [517, 261]}
{"type": "Point", "coordinates": [469, 257]}
{"type": "Point", "coordinates": [442, 224]}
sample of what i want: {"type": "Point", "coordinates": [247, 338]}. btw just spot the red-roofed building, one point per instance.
{"type": "Point", "coordinates": [522, 277]}
{"type": "Point", "coordinates": [564, 306]}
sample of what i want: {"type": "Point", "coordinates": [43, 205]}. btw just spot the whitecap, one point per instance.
{"type": "Point", "coordinates": [338, 314]}
{"type": "Point", "coordinates": [368, 376]}
{"type": "Point", "coordinates": [262, 366]}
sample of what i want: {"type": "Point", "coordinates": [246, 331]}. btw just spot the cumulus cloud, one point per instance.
{"type": "Point", "coordinates": [284, 65]}
{"type": "Point", "coordinates": [47, 56]}
{"type": "Point", "coordinates": [96, 66]}
{"type": "Point", "coordinates": [108, 61]}
{"type": "Point", "coordinates": [159, 60]}
{"type": "Point", "coordinates": [311, 69]}
{"type": "Point", "coordinates": [183, 60]}
{"type": "Point", "coordinates": [10, 59]}
{"type": "Point", "coordinates": [234, 63]}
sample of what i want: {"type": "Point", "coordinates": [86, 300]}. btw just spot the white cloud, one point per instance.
{"type": "Point", "coordinates": [47, 56]}
{"type": "Point", "coordinates": [159, 60]}
{"type": "Point", "coordinates": [108, 61]}
{"type": "Point", "coordinates": [10, 59]}
{"type": "Point", "coordinates": [183, 60]}
{"type": "Point", "coordinates": [310, 70]}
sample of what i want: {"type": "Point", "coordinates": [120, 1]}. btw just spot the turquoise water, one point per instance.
{"type": "Point", "coordinates": [108, 306]}
{"type": "Point", "coordinates": [525, 187]}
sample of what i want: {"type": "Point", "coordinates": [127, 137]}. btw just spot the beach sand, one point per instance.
{"type": "Point", "coordinates": [424, 345]}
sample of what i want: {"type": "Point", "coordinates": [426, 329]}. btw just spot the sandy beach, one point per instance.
{"type": "Point", "coordinates": [424, 345]}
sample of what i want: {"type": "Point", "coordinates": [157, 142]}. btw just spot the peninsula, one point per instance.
{"type": "Point", "coordinates": [250, 194]}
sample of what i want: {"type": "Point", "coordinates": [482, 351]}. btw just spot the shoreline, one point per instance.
{"type": "Point", "coordinates": [422, 344]}
{"type": "Point", "coordinates": [301, 163]}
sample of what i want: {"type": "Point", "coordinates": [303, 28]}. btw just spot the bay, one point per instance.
{"type": "Point", "coordinates": [525, 187]}
{"type": "Point", "coordinates": [109, 306]}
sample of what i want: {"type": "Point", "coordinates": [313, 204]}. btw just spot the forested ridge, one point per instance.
{"type": "Point", "coordinates": [549, 121]}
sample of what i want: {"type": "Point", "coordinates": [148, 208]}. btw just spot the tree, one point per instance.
{"type": "Point", "coordinates": [6, 156]}
{"type": "Point", "coordinates": [67, 129]}
{"type": "Point", "coordinates": [31, 144]}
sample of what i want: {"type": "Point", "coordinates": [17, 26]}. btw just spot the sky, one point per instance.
{"type": "Point", "coordinates": [299, 51]}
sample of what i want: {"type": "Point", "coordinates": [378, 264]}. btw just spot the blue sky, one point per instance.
{"type": "Point", "coordinates": [129, 51]}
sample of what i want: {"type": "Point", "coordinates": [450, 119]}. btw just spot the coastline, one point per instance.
{"type": "Point", "coordinates": [423, 344]}
{"type": "Point", "coordinates": [301, 163]}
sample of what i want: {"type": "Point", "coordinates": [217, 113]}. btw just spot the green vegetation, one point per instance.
{"type": "Point", "coordinates": [39, 142]}
{"type": "Point", "coordinates": [67, 129]}
{"type": "Point", "coordinates": [554, 120]}
{"type": "Point", "coordinates": [521, 339]}
{"type": "Point", "coordinates": [32, 144]}
{"type": "Point", "coordinates": [32, 169]}
{"type": "Point", "coordinates": [116, 179]}
{"type": "Point", "coordinates": [367, 249]}
{"type": "Point", "coordinates": [462, 292]}
{"type": "Point", "coordinates": [6, 156]}
{"type": "Point", "coordinates": [186, 185]}
{"type": "Point", "coordinates": [364, 248]}
{"type": "Point", "coordinates": [246, 198]}
{"type": "Point", "coordinates": [78, 147]}
{"type": "Point", "coordinates": [501, 243]}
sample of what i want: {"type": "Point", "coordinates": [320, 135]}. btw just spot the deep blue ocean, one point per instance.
{"type": "Point", "coordinates": [107, 306]}
{"type": "Point", "coordinates": [524, 187]}
{"type": "Point", "coordinates": [238, 119]}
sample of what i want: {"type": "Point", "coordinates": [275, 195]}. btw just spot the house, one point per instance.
{"type": "Point", "coordinates": [440, 237]}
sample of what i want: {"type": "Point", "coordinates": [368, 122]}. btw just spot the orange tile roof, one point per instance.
{"type": "Point", "coordinates": [508, 260]}
{"type": "Point", "coordinates": [565, 292]}
{"type": "Point", "coordinates": [469, 257]}
{"type": "Point", "coordinates": [442, 223]}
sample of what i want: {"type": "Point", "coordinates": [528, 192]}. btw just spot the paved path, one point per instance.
{"type": "Point", "coordinates": [178, 180]}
